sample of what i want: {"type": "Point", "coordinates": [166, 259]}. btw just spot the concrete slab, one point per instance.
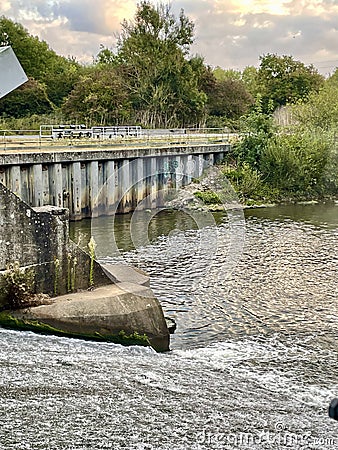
{"type": "Point", "coordinates": [120, 273]}
{"type": "Point", "coordinates": [106, 313]}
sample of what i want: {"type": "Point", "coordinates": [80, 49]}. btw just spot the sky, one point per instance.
{"type": "Point", "coordinates": [231, 34]}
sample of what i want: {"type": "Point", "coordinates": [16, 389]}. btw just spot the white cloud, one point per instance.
{"type": "Point", "coordinates": [318, 8]}
{"type": "Point", "coordinates": [229, 33]}
{"type": "Point", "coordinates": [97, 16]}
{"type": "Point", "coordinates": [5, 6]}
{"type": "Point", "coordinates": [72, 27]}
{"type": "Point", "coordinates": [298, 30]}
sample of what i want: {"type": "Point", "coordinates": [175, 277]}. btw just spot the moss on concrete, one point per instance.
{"type": "Point", "coordinates": [208, 197]}
{"type": "Point", "coordinates": [7, 320]}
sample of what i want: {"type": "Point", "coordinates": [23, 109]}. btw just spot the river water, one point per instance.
{"type": "Point", "coordinates": [254, 358]}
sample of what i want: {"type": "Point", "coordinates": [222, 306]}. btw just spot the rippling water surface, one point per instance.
{"type": "Point", "coordinates": [253, 362]}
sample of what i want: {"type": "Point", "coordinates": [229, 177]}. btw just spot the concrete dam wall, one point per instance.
{"type": "Point", "coordinates": [49, 285]}
{"type": "Point", "coordinates": [97, 182]}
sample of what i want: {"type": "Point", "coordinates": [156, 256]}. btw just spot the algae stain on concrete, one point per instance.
{"type": "Point", "coordinates": [7, 320]}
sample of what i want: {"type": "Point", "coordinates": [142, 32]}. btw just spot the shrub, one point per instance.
{"type": "Point", "coordinates": [18, 285]}
{"type": "Point", "coordinates": [208, 197]}
{"type": "Point", "coordinates": [295, 162]}
{"type": "Point", "coordinates": [246, 181]}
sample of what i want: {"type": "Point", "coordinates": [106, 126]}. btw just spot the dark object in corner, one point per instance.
{"type": "Point", "coordinates": [333, 409]}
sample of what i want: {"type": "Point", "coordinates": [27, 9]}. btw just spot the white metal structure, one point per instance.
{"type": "Point", "coordinates": [81, 131]}
{"type": "Point", "coordinates": [12, 74]}
{"type": "Point", "coordinates": [116, 131]}
{"type": "Point", "coordinates": [64, 131]}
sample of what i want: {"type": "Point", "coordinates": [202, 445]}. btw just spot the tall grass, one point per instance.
{"type": "Point", "coordinates": [30, 122]}
{"type": "Point", "coordinates": [296, 163]}
{"type": "Point", "coordinates": [285, 166]}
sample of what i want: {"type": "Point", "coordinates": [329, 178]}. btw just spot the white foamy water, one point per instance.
{"type": "Point", "coordinates": [253, 363]}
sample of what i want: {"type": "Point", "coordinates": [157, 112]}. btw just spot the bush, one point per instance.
{"type": "Point", "coordinates": [330, 178]}
{"type": "Point", "coordinates": [249, 149]}
{"type": "Point", "coordinates": [258, 128]}
{"type": "Point", "coordinates": [18, 285]}
{"type": "Point", "coordinates": [208, 197]}
{"type": "Point", "coordinates": [296, 162]}
{"type": "Point", "coordinates": [248, 183]}
{"type": "Point", "coordinates": [32, 122]}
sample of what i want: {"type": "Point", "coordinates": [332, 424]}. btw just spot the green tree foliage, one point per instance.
{"type": "Point", "coordinates": [296, 163]}
{"type": "Point", "coordinates": [250, 78]}
{"type": "Point", "coordinates": [33, 54]}
{"type": "Point", "coordinates": [163, 84]}
{"type": "Point", "coordinates": [229, 74]}
{"type": "Point", "coordinates": [283, 80]}
{"type": "Point", "coordinates": [99, 97]}
{"type": "Point", "coordinates": [105, 57]}
{"type": "Point", "coordinates": [155, 27]}
{"type": "Point", "coordinates": [258, 128]}
{"type": "Point", "coordinates": [30, 98]}
{"type": "Point", "coordinates": [229, 99]}
{"type": "Point", "coordinates": [333, 79]}
{"type": "Point", "coordinates": [320, 111]}
{"type": "Point", "coordinates": [40, 62]}
{"type": "Point", "coordinates": [60, 78]}
{"type": "Point", "coordinates": [206, 78]}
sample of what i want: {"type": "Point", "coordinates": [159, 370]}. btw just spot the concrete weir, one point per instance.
{"type": "Point", "coordinates": [95, 182]}
{"type": "Point", "coordinates": [47, 283]}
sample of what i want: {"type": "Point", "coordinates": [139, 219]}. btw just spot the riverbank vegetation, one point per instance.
{"type": "Point", "coordinates": [294, 163]}
{"type": "Point", "coordinates": [284, 111]}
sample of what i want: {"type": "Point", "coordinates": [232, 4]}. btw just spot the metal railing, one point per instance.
{"type": "Point", "coordinates": [106, 137]}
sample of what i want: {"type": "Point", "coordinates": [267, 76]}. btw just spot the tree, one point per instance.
{"type": "Point", "coordinates": [105, 57]}
{"type": "Point", "coordinates": [99, 97]}
{"type": "Point", "coordinates": [229, 99]}
{"type": "Point", "coordinates": [163, 84]}
{"type": "Point", "coordinates": [333, 79]}
{"type": "Point", "coordinates": [60, 78]}
{"type": "Point", "coordinates": [258, 127]}
{"type": "Point", "coordinates": [320, 112]}
{"type": "Point", "coordinates": [34, 55]}
{"type": "Point", "coordinates": [283, 80]}
{"type": "Point", "coordinates": [229, 74]}
{"type": "Point", "coordinates": [250, 78]}
{"type": "Point", "coordinates": [30, 98]}
{"type": "Point", "coordinates": [159, 25]}
{"type": "Point", "coordinates": [39, 61]}
{"type": "Point", "coordinates": [206, 78]}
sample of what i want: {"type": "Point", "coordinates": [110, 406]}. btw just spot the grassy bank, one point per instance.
{"type": "Point", "coordinates": [273, 168]}
{"type": "Point", "coordinates": [283, 167]}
